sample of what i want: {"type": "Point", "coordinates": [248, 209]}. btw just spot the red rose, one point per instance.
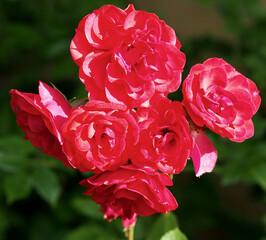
{"type": "Point", "coordinates": [99, 136]}
{"type": "Point", "coordinates": [41, 116]}
{"type": "Point", "coordinates": [129, 191]}
{"type": "Point", "coordinates": [218, 96]}
{"type": "Point", "coordinates": [165, 142]}
{"type": "Point", "coordinates": [127, 56]}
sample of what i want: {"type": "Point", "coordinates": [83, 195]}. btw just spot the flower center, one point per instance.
{"type": "Point", "coordinates": [164, 131]}
{"type": "Point", "coordinates": [166, 142]}
{"type": "Point", "coordinates": [219, 101]}
{"type": "Point", "coordinates": [138, 57]}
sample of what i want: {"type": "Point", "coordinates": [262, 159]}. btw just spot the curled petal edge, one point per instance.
{"type": "Point", "coordinates": [204, 155]}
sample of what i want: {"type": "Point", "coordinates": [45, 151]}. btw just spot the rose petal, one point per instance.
{"type": "Point", "coordinates": [204, 154]}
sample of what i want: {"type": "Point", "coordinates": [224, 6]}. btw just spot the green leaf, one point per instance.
{"type": "Point", "coordinates": [90, 231]}
{"type": "Point", "coordinates": [16, 187]}
{"type": "Point", "coordinates": [85, 206]}
{"type": "Point", "coordinates": [164, 224]}
{"type": "Point", "coordinates": [11, 143]}
{"type": "Point", "coordinates": [259, 175]}
{"type": "Point", "coordinates": [78, 102]}
{"type": "Point", "coordinates": [12, 162]}
{"type": "Point", "coordinates": [14, 153]}
{"type": "Point", "coordinates": [46, 184]}
{"type": "Point", "coordinates": [175, 234]}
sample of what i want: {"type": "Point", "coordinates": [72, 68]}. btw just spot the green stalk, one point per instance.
{"type": "Point", "coordinates": [130, 232]}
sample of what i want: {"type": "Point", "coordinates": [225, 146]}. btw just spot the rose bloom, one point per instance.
{"type": "Point", "coordinates": [127, 56]}
{"type": "Point", "coordinates": [41, 116]}
{"type": "Point", "coordinates": [129, 191]}
{"type": "Point", "coordinates": [165, 142]}
{"type": "Point", "coordinates": [99, 136]}
{"type": "Point", "coordinates": [218, 96]}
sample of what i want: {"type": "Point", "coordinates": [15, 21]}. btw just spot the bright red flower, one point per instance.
{"type": "Point", "coordinates": [41, 116]}
{"type": "Point", "coordinates": [130, 191]}
{"type": "Point", "coordinates": [127, 56]}
{"type": "Point", "coordinates": [218, 96]}
{"type": "Point", "coordinates": [165, 142]}
{"type": "Point", "coordinates": [99, 136]}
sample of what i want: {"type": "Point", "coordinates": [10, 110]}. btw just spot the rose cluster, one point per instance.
{"type": "Point", "coordinates": [129, 134]}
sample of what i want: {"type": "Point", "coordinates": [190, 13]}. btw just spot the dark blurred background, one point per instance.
{"type": "Point", "coordinates": [40, 199]}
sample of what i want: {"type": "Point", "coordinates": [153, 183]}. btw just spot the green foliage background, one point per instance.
{"type": "Point", "coordinates": [40, 199]}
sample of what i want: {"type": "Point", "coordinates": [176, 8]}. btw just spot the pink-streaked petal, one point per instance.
{"type": "Point", "coordinates": [55, 102]}
{"type": "Point", "coordinates": [214, 62]}
{"type": "Point", "coordinates": [24, 101]}
{"type": "Point", "coordinates": [215, 77]}
{"type": "Point", "coordinates": [80, 46]}
{"type": "Point", "coordinates": [130, 8]}
{"type": "Point", "coordinates": [94, 66]}
{"type": "Point", "coordinates": [204, 154]}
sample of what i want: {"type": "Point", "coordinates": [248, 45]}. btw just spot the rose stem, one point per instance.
{"type": "Point", "coordinates": [130, 232]}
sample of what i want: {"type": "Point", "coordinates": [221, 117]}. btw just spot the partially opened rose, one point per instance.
{"type": "Point", "coordinates": [99, 136]}
{"type": "Point", "coordinates": [218, 96]}
{"type": "Point", "coordinates": [127, 56]}
{"type": "Point", "coordinates": [41, 116]}
{"type": "Point", "coordinates": [130, 191]}
{"type": "Point", "coordinates": [165, 142]}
